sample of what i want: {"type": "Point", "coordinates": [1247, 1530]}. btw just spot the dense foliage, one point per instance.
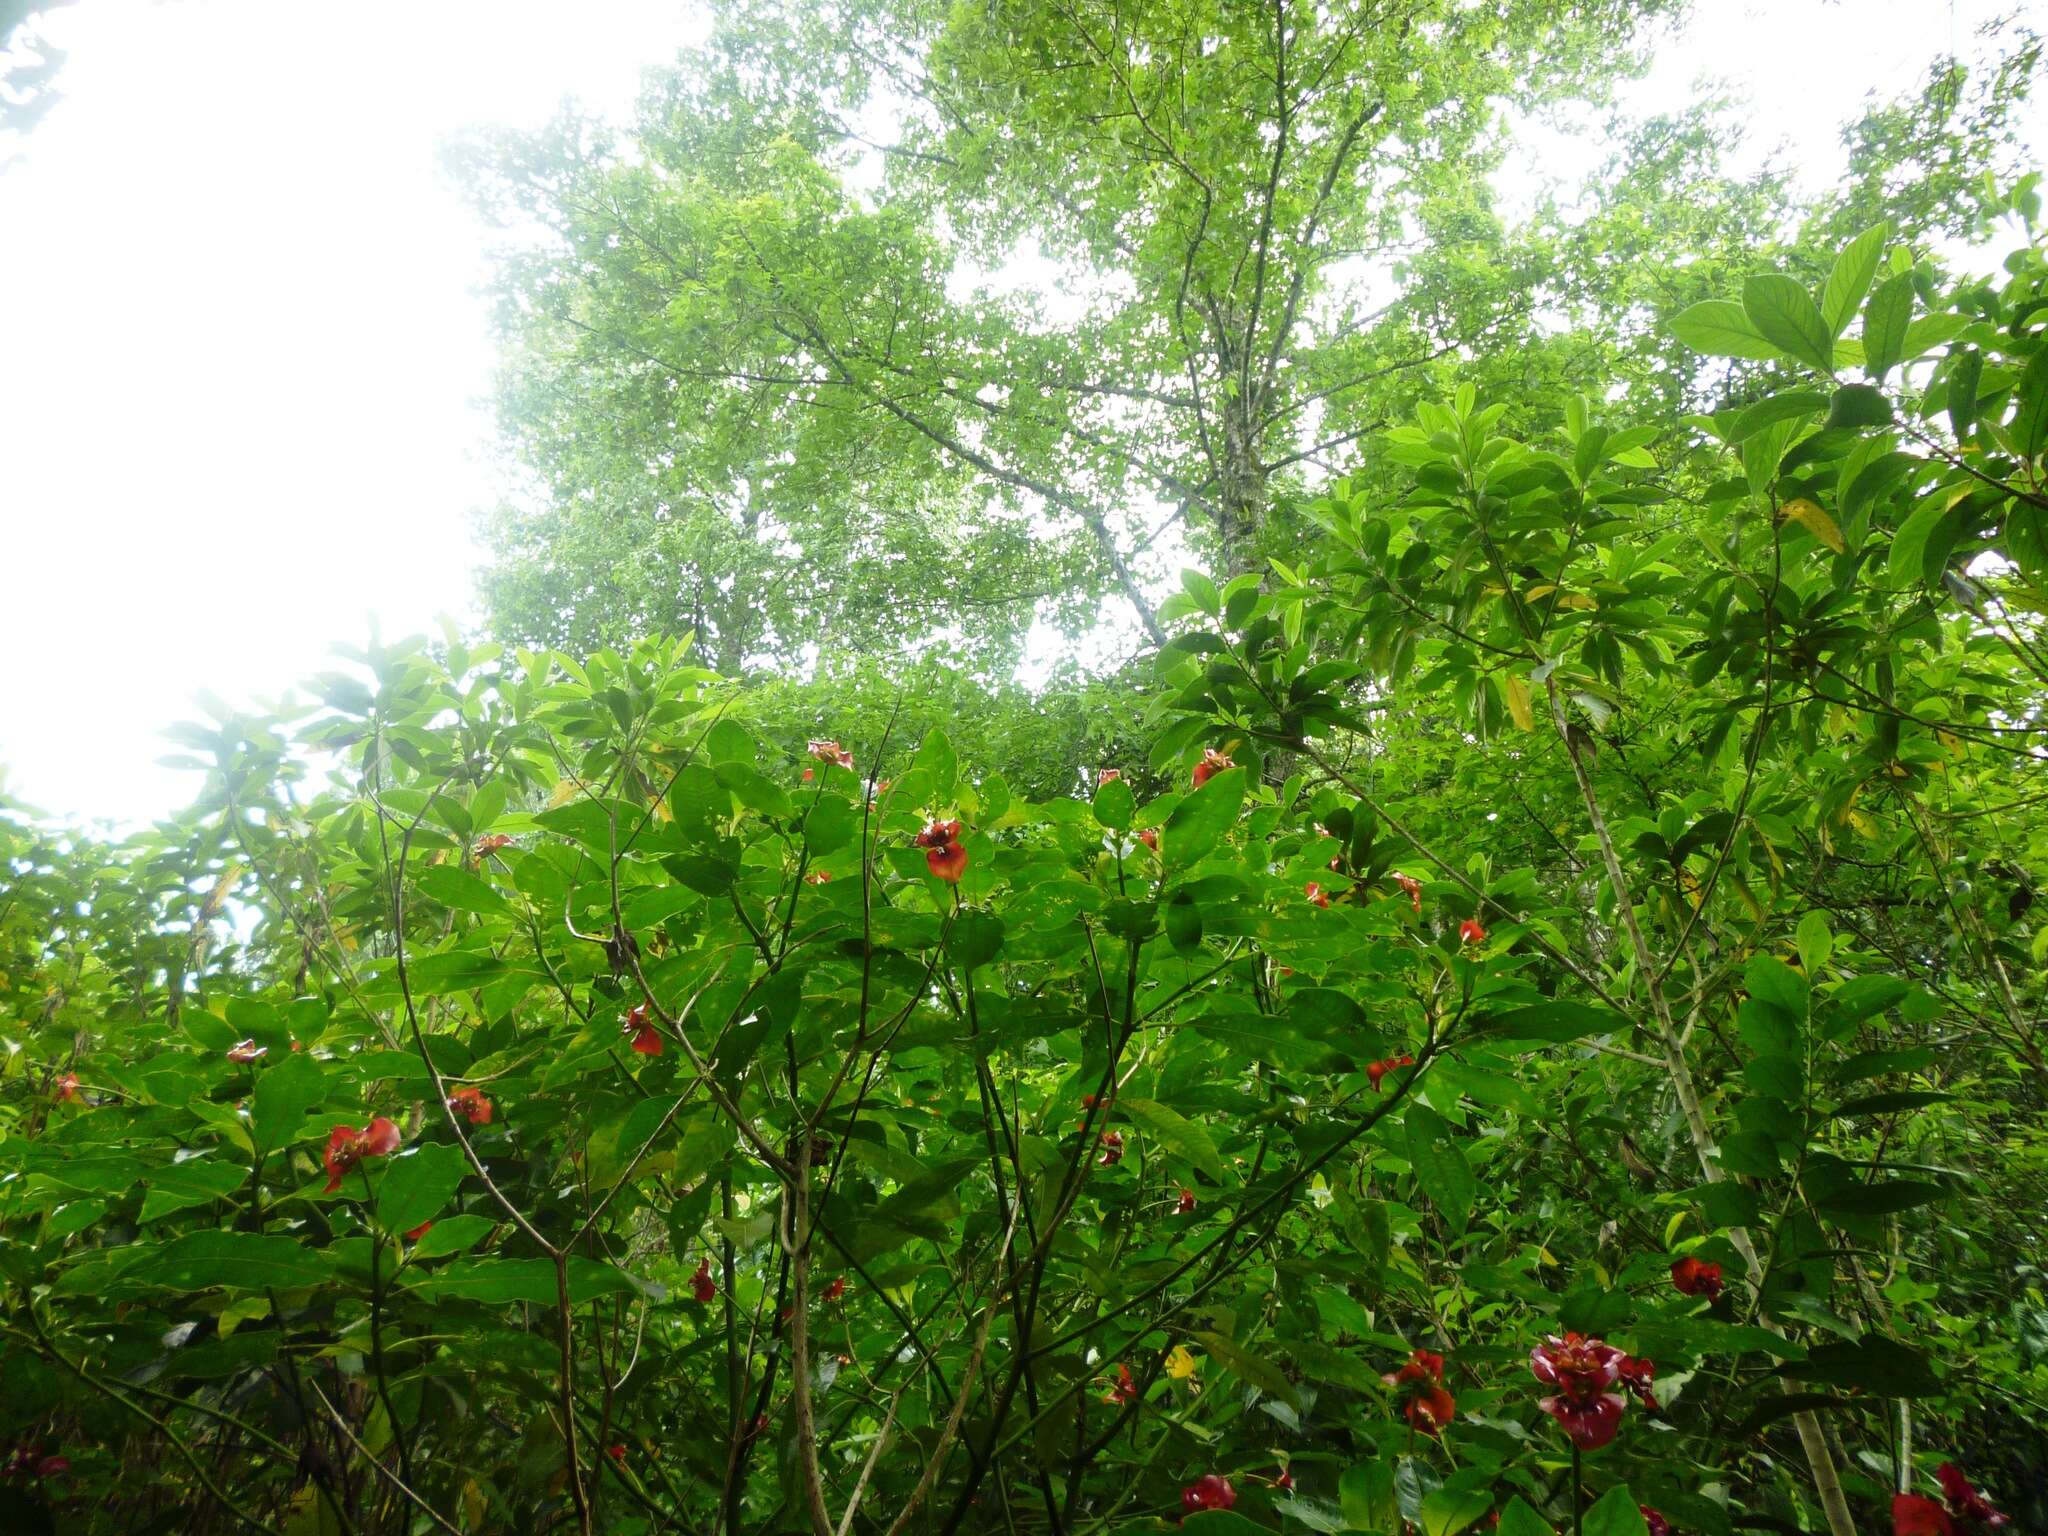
{"type": "Point", "coordinates": [1548, 1030]}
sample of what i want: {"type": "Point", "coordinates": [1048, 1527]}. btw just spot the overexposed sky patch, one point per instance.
{"type": "Point", "coordinates": [241, 349]}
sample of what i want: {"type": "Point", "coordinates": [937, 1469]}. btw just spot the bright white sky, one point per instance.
{"type": "Point", "coordinates": [241, 351]}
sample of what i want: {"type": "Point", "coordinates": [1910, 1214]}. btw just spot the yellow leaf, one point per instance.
{"type": "Point", "coordinates": [1808, 515]}
{"type": "Point", "coordinates": [1577, 600]}
{"type": "Point", "coordinates": [1518, 703]}
{"type": "Point", "coordinates": [1543, 591]}
{"type": "Point", "coordinates": [565, 791]}
{"type": "Point", "coordinates": [1862, 823]}
{"type": "Point", "coordinates": [1181, 1362]}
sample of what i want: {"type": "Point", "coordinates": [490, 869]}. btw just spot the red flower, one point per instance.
{"type": "Point", "coordinates": [1285, 1481]}
{"type": "Point", "coordinates": [1375, 1070]}
{"type": "Point", "coordinates": [492, 843]}
{"type": "Point", "coordinates": [702, 1286]}
{"type": "Point", "coordinates": [418, 1232]}
{"type": "Point", "coordinates": [617, 1453]}
{"type": "Point", "coordinates": [247, 1052]}
{"type": "Point", "coordinates": [1655, 1520]}
{"type": "Point", "coordinates": [67, 1088]}
{"type": "Point", "coordinates": [1582, 1370]}
{"type": "Point", "coordinates": [1471, 931]}
{"type": "Point", "coordinates": [835, 1290]}
{"type": "Point", "coordinates": [1318, 896]}
{"type": "Point", "coordinates": [818, 877]}
{"type": "Point", "coordinates": [1150, 838]}
{"type": "Point", "coordinates": [1186, 1203]}
{"type": "Point", "coordinates": [646, 1038]}
{"type": "Point", "coordinates": [1915, 1515]}
{"type": "Point", "coordinates": [1412, 887]}
{"type": "Point", "coordinates": [810, 774]}
{"type": "Point", "coordinates": [1123, 1389]}
{"type": "Point", "coordinates": [1107, 776]}
{"type": "Point", "coordinates": [1212, 763]}
{"type": "Point", "coordinates": [945, 855]}
{"type": "Point", "coordinates": [1112, 1149]}
{"type": "Point", "coordinates": [1638, 1375]}
{"type": "Point", "coordinates": [1694, 1277]}
{"type": "Point", "coordinates": [830, 752]}
{"type": "Point", "coordinates": [1420, 1383]}
{"type": "Point", "coordinates": [28, 1461]}
{"type": "Point", "coordinates": [471, 1104]}
{"type": "Point", "coordinates": [1207, 1492]}
{"type": "Point", "coordinates": [1965, 1501]}
{"type": "Point", "coordinates": [347, 1146]}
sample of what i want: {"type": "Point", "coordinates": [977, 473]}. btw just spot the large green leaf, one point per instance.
{"type": "Point", "coordinates": [1783, 313]}
{"type": "Point", "coordinates": [1201, 819]}
{"type": "Point", "coordinates": [1440, 1165]}
{"type": "Point", "coordinates": [284, 1093]}
{"type": "Point", "coordinates": [1181, 1137]}
{"type": "Point", "coordinates": [1720, 328]}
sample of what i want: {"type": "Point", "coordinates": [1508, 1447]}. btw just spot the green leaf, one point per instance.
{"type": "Point", "coordinates": [1519, 1519]}
{"type": "Point", "coordinates": [1368, 1497]}
{"type": "Point", "coordinates": [1920, 548]}
{"type": "Point", "coordinates": [451, 1234]}
{"type": "Point", "coordinates": [1885, 319]}
{"type": "Point", "coordinates": [283, 1095]}
{"type": "Point", "coordinates": [1858, 406]}
{"type": "Point", "coordinates": [1720, 328]}
{"type": "Point", "coordinates": [1815, 941]}
{"type": "Point", "coordinates": [235, 1261]}
{"type": "Point", "coordinates": [937, 758]}
{"type": "Point", "coordinates": [1850, 278]}
{"type": "Point", "coordinates": [975, 939]}
{"type": "Point", "coordinates": [1615, 1513]}
{"type": "Point", "coordinates": [1447, 1511]}
{"type": "Point", "coordinates": [1440, 1165]}
{"type": "Point", "coordinates": [1782, 312]}
{"type": "Point", "coordinates": [500, 1281]}
{"type": "Point", "coordinates": [1249, 1367]}
{"type": "Point", "coordinates": [1772, 981]}
{"type": "Point", "coordinates": [416, 1185]}
{"type": "Point", "coordinates": [1872, 1363]}
{"type": "Point", "coordinates": [1115, 805]}
{"type": "Point", "coordinates": [1203, 591]}
{"type": "Point", "coordinates": [1885, 1198]}
{"type": "Point", "coordinates": [1786, 405]}
{"type": "Point", "coordinates": [1964, 374]}
{"type": "Point", "coordinates": [458, 888]}
{"type": "Point", "coordinates": [2029, 429]}
{"type": "Point", "coordinates": [1199, 822]}
{"type": "Point", "coordinates": [1180, 1136]}
{"type": "Point", "coordinates": [1556, 1023]}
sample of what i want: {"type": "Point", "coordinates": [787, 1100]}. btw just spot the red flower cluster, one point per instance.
{"type": "Point", "coordinates": [419, 1232]}
{"type": "Point", "coordinates": [818, 877]}
{"type": "Point", "coordinates": [617, 1453]}
{"type": "Point", "coordinates": [347, 1146]}
{"type": "Point", "coordinates": [67, 1088]}
{"type": "Point", "coordinates": [471, 1104]}
{"type": "Point", "coordinates": [1207, 1492]}
{"type": "Point", "coordinates": [492, 843]}
{"type": "Point", "coordinates": [1915, 1514]}
{"type": "Point", "coordinates": [1420, 1383]}
{"type": "Point", "coordinates": [1471, 931]}
{"type": "Point", "coordinates": [1639, 1376]}
{"type": "Point", "coordinates": [1318, 896]}
{"type": "Point", "coordinates": [1150, 838]}
{"type": "Point", "coordinates": [1112, 1149]}
{"type": "Point", "coordinates": [29, 1461]}
{"type": "Point", "coordinates": [248, 1051]}
{"type": "Point", "coordinates": [830, 752]}
{"type": "Point", "coordinates": [1186, 1204]}
{"type": "Point", "coordinates": [1410, 887]}
{"type": "Point", "coordinates": [702, 1286]}
{"type": "Point", "coordinates": [1212, 763]}
{"type": "Point", "coordinates": [944, 854]}
{"type": "Point", "coordinates": [1123, 1389]}
{"type": "Point", "coordinates": [1582, 1370]}
{"type": "Point", "coordinates": [1375, 1070]}
{"type": "Point", "coordinates": [1694, 1277]}
{"type": "Point", "coordinates": [1654, 1519]}
{"type": "Point", "coordinates": [645, 1037]}
{"type": "Point", "coordinates": [835, 1290]}
{"type": "Point", "coordinates": [1107, 776]}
